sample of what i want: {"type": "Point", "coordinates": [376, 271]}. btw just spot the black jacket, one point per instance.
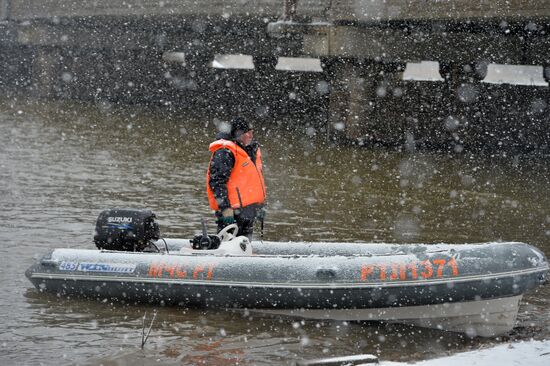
{"type": "Point", "coordinates": [221, 166]}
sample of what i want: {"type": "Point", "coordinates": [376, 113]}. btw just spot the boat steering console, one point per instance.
{"type": "Point", "coordinates": [226, 242]}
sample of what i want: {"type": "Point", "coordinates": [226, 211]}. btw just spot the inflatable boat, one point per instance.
{"type": "Point", "coordinates": [470, 288]}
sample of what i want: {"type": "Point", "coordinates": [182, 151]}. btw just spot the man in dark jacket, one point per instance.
{"type": "Point", "coordinates": [235, 182]}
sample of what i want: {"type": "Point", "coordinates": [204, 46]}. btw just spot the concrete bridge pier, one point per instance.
{"type": "Point", "coordinates": [546, 72]}
{"type": "Point", "coordinates": [357, 90]}
{"type": "Point", "coordinates": [346, 99]}
{"type": "Point", "coordinates": [265, 64]}
{"type": "Point", "coordinates": [264, 74]}
{"type": "Point", "coordinates": [46, 67]}
{"type": "Point", "coordinates": [370, 103]}
{"type": "Point", "coordinates": [460, 122]}
{"type": "Point", "coordinates": [193, 76]}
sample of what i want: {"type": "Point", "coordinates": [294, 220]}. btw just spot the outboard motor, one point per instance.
{"type": "Point", "coordinates": [126, 229]}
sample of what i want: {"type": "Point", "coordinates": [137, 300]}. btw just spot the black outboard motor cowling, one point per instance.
{"type": "Point", "coordinates": [126, 229]}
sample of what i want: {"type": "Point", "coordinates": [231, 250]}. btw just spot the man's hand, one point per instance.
{"type": "Point", "coordinates": [228, 217]}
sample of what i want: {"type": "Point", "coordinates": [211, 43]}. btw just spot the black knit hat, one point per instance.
{"type": "Point", "coordinates": [239, 126]}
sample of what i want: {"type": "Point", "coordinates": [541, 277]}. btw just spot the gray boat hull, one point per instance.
{"type": "Point", "coordinates": [309, 279]}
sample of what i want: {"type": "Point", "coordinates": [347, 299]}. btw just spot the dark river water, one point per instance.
{"type": "Point", "coordinates": [61, 164]}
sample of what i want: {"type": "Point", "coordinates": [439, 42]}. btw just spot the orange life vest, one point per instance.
{"type": "Point", "coordinates": [245, 185]}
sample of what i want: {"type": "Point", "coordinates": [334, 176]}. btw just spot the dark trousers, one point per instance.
{"type": "Point", "coordinates": [244, 218]}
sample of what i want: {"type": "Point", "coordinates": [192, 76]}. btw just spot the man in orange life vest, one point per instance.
{"type": "Point", "coordinates": [235, 181]}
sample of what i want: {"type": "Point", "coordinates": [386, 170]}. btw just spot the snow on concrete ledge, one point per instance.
{"type": "Point", "coordinates": [243, 62]}
{"type": "Point", "coordinates": [515, 75]}
{"type": "Point", "coordinates": [532, 353]}
{"type": "Point", "coordinates": [299, 64]}
{"type": "Point", "coordinates": [423, 71]}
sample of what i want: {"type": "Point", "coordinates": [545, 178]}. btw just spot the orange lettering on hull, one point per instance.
{"type": "Point", "coordinates": [171, 270]}
{"type": "Point", "coordinates": [410, 271]}
{"type": "Point", "coordinates": [366, 271]}
{"type": "Point", "coordinates": [198, 269]}
{"type": "Point", "coordinates": [428, 271]}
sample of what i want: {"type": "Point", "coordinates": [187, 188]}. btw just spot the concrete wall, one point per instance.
{"type": "Point", "coordinates": [458, 46]}
{"type": "Point", "coordinates": [113, 51]}
{"type": "Point", "coordinates": [32, 9]}
{"type": "Point", "coordinates": [375, 10]}
{"type": "Point", "coordinates": [4, 9]}
{"type": "Point", "coordinates": [337, 10]}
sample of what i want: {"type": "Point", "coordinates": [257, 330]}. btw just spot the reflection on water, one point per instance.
{"type": "Point", "coordinates": [194, 336]}
{"type": "Point", "coordinates": [61, 164]}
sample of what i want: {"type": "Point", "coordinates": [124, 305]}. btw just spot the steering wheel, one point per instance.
{"type": "Point", "coordinates": [228, 232]}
